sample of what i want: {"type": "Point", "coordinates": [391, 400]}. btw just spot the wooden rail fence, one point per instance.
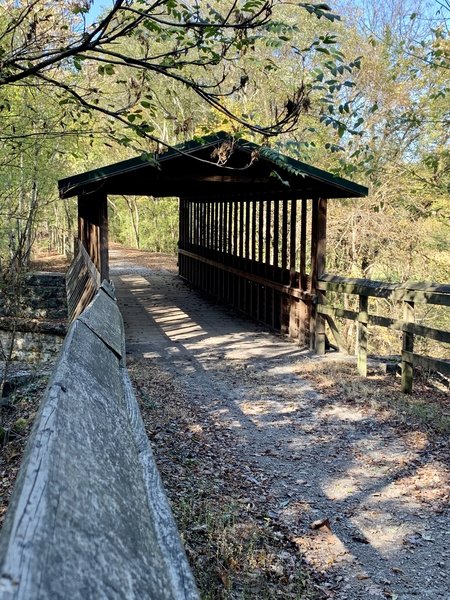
{"type": "Point", "coordinates": [409, 294]}
{"type": "Point", "coordinates": [88, 517]}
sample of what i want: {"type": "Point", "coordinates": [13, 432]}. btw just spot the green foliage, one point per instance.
{"type": "Point", "coordinates": [364, 95]}
{"type": "Point", "coordinates": [145, 223]}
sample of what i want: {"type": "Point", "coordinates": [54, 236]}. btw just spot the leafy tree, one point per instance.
{"type": "Point", "coordinates": [196, 45]}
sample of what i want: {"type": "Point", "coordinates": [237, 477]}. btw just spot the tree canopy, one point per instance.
{"type": "Point", "coordinates": [199, 45]}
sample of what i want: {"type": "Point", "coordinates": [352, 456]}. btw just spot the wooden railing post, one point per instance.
{"type": "Point", "coordinates": [318, 254]}
{"type": "Point", "coordinates": [407, 346]}
{"type": "Point", "coordinates": [361, 348]}
{"type": "Point", "coordinates": [102, 201]}
{"type": "Point", "coordinates": [303, 308]}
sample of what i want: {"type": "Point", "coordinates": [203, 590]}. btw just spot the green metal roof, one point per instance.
{"type": "Point", "coordinates": [249, 170]}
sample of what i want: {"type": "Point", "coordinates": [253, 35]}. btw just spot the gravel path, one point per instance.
{"type": "Point", "coordinates": [365, 501]}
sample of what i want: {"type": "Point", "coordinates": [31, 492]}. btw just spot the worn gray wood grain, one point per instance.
{"type": "Point", "coordinates": [88, 518]}
{"type": "Point", "coordinates": [103, 317]}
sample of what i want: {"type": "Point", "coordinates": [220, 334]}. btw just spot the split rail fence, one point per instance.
{"type": "Point", "coordinates": [409, 294]}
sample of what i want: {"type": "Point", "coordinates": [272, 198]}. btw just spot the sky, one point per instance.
{"type": "Point", "coordinates": [96, 9]}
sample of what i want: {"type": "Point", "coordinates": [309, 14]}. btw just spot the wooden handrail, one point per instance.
{"type": "Point", "coordinates": [89, 517]}
{"type": "Point", "coordinates": [428, 293]}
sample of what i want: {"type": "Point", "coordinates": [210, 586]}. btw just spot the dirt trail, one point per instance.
{"type": "Point", "coordinates": [382, 493]}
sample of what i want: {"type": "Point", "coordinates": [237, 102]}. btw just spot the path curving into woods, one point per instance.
{"type": "Point", "coordinates": [363, 500]}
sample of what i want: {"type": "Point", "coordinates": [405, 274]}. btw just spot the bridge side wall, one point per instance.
{"type": "Point", "coordinates": [89, 517]}
{"type": "Point", "coordinates": [261, 256]}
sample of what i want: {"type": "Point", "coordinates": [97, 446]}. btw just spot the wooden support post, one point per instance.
{"type": "Point", "coordinates": [293, 242]}
{"type": "Point", "coordinates": [220, 223]}
{"type": "Point", "coordinates": [93, 229]}
{"type": "Point", "coordinates": [362, 338]}
{"type": "Point", "coordinates": [216, 226]}
{"type": "Point", "coordinates": [253, 254]}
{"type": "Point", "coordinates": [284, 241]}
{"type": "Point", "coordinates": [276, 260]}
{"type": "Point", "coordinates": [407, 346]}
{"type": "Point", "coordinates": [303, 244]}
{"type": "Point", "coordinates": [235, 232]}
{"type": "Point", "coordinates": [226, 233]}
{"type": "Point", "coordinates": [268, 235]}
{"type": "Point", "coordinates": [207, 226]}
{"type": "Point", "coordinates": [303, 308]}
{"type": "Point", "coordinates": [230, 228]}
{"type": "Point", "coordinates": [318, 253]}
{"type": "Point", "coordinates": [103, 225]}
{"type": "Point", "coordinates": [259, 269]}
{"type": "Point", "coordinates": [260, 235]}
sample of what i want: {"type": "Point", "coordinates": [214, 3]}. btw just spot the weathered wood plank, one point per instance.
{"type": "Point", "coordinates": [388, 322]}
{"type": "Point", "coordinates": [407, 349]}
{"type": "Point", "coordinates": [102, 200]}
{"type": "Point", "coordinates": [336, 334]}
{"type": "Point", "coordinates": [381, 289]}
{"type": "Point", "coordinates": [362, 335]}
{"type": "Point", "coordinates": [166, 531]}
{"type": "Point", "coordinates": [293, 243]}
{"type": "Point", "coordinates": [427, 362]}
{"type": "Point", "coordinates": [303, 226]}
{"type": "Point", "coordinates": [97, 317]}
{"type": "Point", "coordinates": [284, 236]}
{"type": "Point", "coordinates": [82, 281]}
{"type": "Point", "coordinates": [318, 254]}
{"type": "Point", "coordinates": [83, 521]}
{"type": "Point", "coordinates": [260, 231]}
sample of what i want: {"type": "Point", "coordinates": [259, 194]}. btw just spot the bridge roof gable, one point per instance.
{"type": "Point", "coordinates": [215, 166]}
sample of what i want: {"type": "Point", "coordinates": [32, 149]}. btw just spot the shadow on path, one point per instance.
{"type": "Point", "coordinates": [320, 458]}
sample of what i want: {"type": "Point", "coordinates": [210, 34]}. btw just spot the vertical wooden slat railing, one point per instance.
{"type": "Point", "coordinates": [244, 251]}
{"type": "Point", "coordinates": [82, 282]}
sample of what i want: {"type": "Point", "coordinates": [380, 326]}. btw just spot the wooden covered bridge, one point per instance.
{"type": "Point", "coordinates": [252, 226]}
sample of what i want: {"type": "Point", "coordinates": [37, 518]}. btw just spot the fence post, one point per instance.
{"type": "Point", "coordinates": [407, 346]}
{"type": "Point", "coordinates": [361, 348]}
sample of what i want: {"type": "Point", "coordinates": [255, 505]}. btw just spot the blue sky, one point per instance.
{"type": "Point", "coordinates": [96, 9]}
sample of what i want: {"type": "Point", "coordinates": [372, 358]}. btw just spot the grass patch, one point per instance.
{"type": "Point", "coordinates": [427, 407]}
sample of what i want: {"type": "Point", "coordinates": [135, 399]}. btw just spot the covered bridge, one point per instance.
{"type": "Point", "coordinates": [252, 226]}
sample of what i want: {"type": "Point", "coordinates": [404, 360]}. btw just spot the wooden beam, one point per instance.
{"type": "Point", "coordinates": [103, 238]}
{"type": "Point", "coordinates": [293, 242]}
{"type": "Point", "coordinates": [303, 225]}
{"type": "Point", "coordinates": [89, 517]}
{"type": "Point", "coordinates": [362, 336]}
{"type": "Point", "coordinates": [93, 229]}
